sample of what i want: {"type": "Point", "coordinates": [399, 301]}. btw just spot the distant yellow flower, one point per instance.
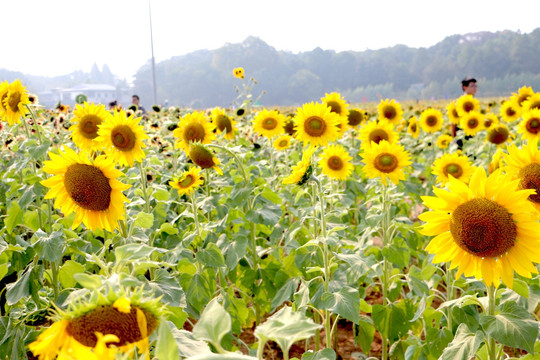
{"type": "Point", "coordinates": [336, 103]}
{"type": "Point", "coordinates": [386, 161]}
{"type": "Point", "coordinates": [496, 161]}
{"type": "Point", "coordinates": [472, 122]}
{"type": "Point", "coordinates": [187, 182]}
{"type": "Point", "coordinates": [444, 140]}
{"type": "Point", "coordinates": [522, 95]}
{"type": "Point", "coordinates": [390, 111]}
{"type": "Point", "coordinates": [282, 142]}
{"type": "Point", "coordinates": [510, 110]}
{"type": "Point", "coordinates": [355, 117]}
{"type": "Point", "coordinates": [532, 102]}
{"type": "Point", "coordinates": [490, 120]}
{"type": "Point", "coordinates": [223, 123]}
{"type": "Point", "coordinates": [374, 132]}
{"type": "Point", "coordinates": [431, 120]}
{"type": "Point", "coordinates": [86, 121]}
{"type": "Point", "coordinates": [466, 104]}
{"type": "Point", "coordinates": [452, 113]}
{"type": "Point", "coordinates": [303, 170]}
{"type": "Point", "coordinates": [193, 128]}
{"type": "Point", "coordinates": [316, 124]}
{"type": "Point", "coordinates": [14, 102]}
{"type": "Point", "coordinates": [204, 158]}
{"type": "Point", "coordinates": [238, 72]}
{"type": "Point", "coordinates": [529, 127]}
{"type": "Point", "coordinates": [455, 165]}
{"type": "Point", "coordinates": [336, 162]}
{"type": "Point", "coordinates": [412, 128]}
{"type": "Point", "coordinates": [269, 123]}
{"type": "Point", "coordinates": [122, 137]}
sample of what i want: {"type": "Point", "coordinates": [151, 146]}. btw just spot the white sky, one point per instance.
{"type": "Point", "coordinates": [56, 37]}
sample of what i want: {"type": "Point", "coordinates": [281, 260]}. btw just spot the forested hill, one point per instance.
{"type": "Point", "coordinates": [501, 61]}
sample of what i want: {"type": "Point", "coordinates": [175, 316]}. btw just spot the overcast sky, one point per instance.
{"type": "Point", "coordinates": [56, 37]}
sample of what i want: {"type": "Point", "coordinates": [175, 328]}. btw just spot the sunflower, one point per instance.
{"type": "Point", "coordinates": [496, 161]}
{"type": "Point", "coordinates": [532, 102]}
{"type": "Point", "coordinates": [14, 99]}
{"type": "Point", "coordinates": [355, 117]}
{"type": "Point", "coordinates": [467, 103]}
{"type": "Point", "coordinates": [303, 170]}
{"type": "Point", "coordinates": [498, 134]}
{"type": "Point", "coordinates": [488, 229]}
{"type": "Point", "coordinates": [88, 188]}
{"type": "Point", "coordinates": [522, 95]}
{"type": "Point", "coordinates": [187, 182]}
{"type": "Point", "coordinates": [444, 140]}
{"type": "Point", "coordinates": [86, 121]}
{"type": "Point", "coordinates": [336, 162]}
{"type": "Point", "coordinates": [431, 120]}
{"type": "Point", "coordinates": [122, 137]}
{"type": "Point", "coordinates": [510, 110]}
{"type": "Point", "coordinates": [386, 160]}
{"type": "Point", "coordinates": [529, 127]}
{"type": "Point", "coordinates": [343, 126]}
{"type": "Point", "coordinates": [412, 128]}
{"type": "Point", "coordinates": [456, 165]}
{"type": "Point", "coordinates": [204, 158]}
{"type": "Point", "coordinates": [336, 103]}
{"type": "Point", "coordinates": [269, 123]}
{"type": "Point", "coordinates": [223, 123]}
{"type": "Point", "coordinates": [451, 111]}
{"type": "Point", "coordinates": [289, 125]}
{"type": "Point", "coordinates": [472, 122]}
{"type": "Point", "coordinates": [316, 124]}
{"type": "Point", "coordinates": [490, 120]}
{"type": "Point", "coordinates": [374, 132]}
{"type": "Point", "coordinates": [100, 327]}
{"type": "Point", "coordinates": [4, 85]}
{"type": "Point", "coordinates": [390, 111]}
{"type": "Point", "coordinates": [524, 164]}
{"type": "Point", "coordinates": [238, 72]}
{"type": "Point", "coordinates": [282, 142]}
{"type": "Point", "coordinates": [193, 127]}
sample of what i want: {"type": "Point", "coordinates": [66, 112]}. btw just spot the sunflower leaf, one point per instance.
{"type": "Point", "coordinates": [214, 323]}
{"type": "Point", "coordinates": [464, 345]}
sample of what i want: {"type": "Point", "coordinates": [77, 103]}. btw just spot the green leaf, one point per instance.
{"type": "Point", "coordinates": [50, 246]}
{"type": "Point", "coordinates": [285, 293]}
{"type": "Point", "coordinates": [365, 333]}
{"type": "Point", "coordinates": [214, 324]}
{"type": "Point", "coordinates": [286, 327]}
{"type": "Point", "coordinates": [167, 286]}
{"type": "Point", "coordinates": [166, 347]}
{"type": "Point", "coordinates": [326, 354]}
{"type": "Point", "coordinates": [37, 152]}
{"type": "Point", "coordinates": [168, 228]}
{"type": "Point", "coordinates": [211, 256]}
{"type": "Point", "coordinates": [14, 216]}
{"type": "Point", "coordinates": [269, 195]}
{"type": "Point", "coordinates": [513, 327]}
{"type": "Point", "coordinates": [521, 288]}
{"type": "Point", "coordinates": [390, 321]}
{"type": "Point", "coordinates": [134, 251]}
{"type": "Point", "coordinates": [144, 220]}
{"type": "Point", "coordinates": [88, 281]}
{"type": "Point", "coordinates": [19, 289]}
{"type": "Point", "coordinates": [464, 345]}
{"type": "Point", "coordinates": [67, 272]}
{"type": "Point", "coordinates": [161, 194]}
{"type": "Point", "coordinates": [345, 303]}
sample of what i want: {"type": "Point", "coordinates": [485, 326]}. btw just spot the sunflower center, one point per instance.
{"type": "Point", "coordinates": [224, 123]}
{"type": "Point", "coordinates": [14, 100]}
{"type": "Point", "coordinates": [413, 127]}
{"type": "Point", "coordinates": [498, 136]}
{"type": "Point", "coordinates": [530, 179]}
{"type": "Point", "coordinates": [472, 123]}
{"type": "Point", "coordinates": [335, 106]}
{"type": "Point", "coordinates": [453, 169]}
{"type": "Point", "coordinates": [378, 135]}
{"type": "Point", "coordinates": [535, 105]}
{"type": "Point", "coordinates": [315, 126]}
{"type": "Point", "coordinates": [335, 163]}
{"type": "Point", "coordinates": [533, 125]}
{"type": "Point", "coordinates": [108, 320]}
{"type": "Point", "coordinates": [269, 123]}
{"type": "Point", "coordinates": [389, 112]}
{"type": "Point", "coordinates": [355, 117]}
{"type": "Point", "coordinates": [510, 112]}
{"type": "Point", "coordinates": [194, 132]}
{"type": "Point", "coordinates": [123, 138]}
{"type": "Point", "coordinates": [89, 126]}
{"type": "Point", "coordinates": [201, 157]}
{"type": "Point", "coordinates": [188, 180]}
{"type": "Point", "coordinates": [88, 187]}
{"type": "Point", "coordinates": [386, 162]}
{"type": "Point", "coordinates": [483, 228]}
{"type": "Point", "coordinates": [431, 121]}
{"type": "Point", "coordinates": [468, 106]}
{"type": "Point", "coordinates": [283, 143]}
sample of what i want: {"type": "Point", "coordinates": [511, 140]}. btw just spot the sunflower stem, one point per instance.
{"type": "Point", "coordinates": [449, 294]}
{"type": "Point", "coordinates": [35, 123]}
{"type": "Point", "coordinates": [195, 215]}
{"type": "Point", "coordinates": [385, 230]}
{"type": "Point", "coordinates": [144, 188]}
{"type": "Point", "coordinates": [491, 344]}
{"type": "Point", "coordinates": [54, 270]}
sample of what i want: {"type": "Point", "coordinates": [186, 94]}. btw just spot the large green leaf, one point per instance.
{"type": "Point", "coordinates": [285, 293]}
{"type": "Point", "coordinates": [166, 347]}
{"type": "Point", "coordinates": [326, 354]}
{"type": "Point", "coordinates": [214, 324]}
{"type": "Point", "coordinates": [365, 333]}
{"type": "Point", "coordinates": [211, 256]}
{"type": "Point", "coordinates": [513, 327]}
{"type": "Point", "coordinates": [345, 303]}
{"type": "Point", "coordinates": [391, 321]}
{"type": "Point", "coordinates": [50, 246]}
{"type": "Point", "coordinates": [464, 345]}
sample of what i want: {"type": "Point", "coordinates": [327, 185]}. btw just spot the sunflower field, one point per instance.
{"type": "Point", "coordinates": [390, 230]}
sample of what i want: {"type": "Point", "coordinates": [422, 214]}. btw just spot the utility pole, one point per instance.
{"type": "Point", "coordinates": [153, 59]}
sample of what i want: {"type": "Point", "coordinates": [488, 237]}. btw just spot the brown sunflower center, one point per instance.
{"type": "Point", "coordinates": [315, 126]}
{"type": "Point", "coordinates": [13, 101]}
{"type": "Point", "coordinates": [2, 101]}
{"type": "Point", "coordinates": [224, 123]}
{"type": "Point", "coordinates": [355, 117]}
{"type": "Point", "coordinates": [530, 179]}
{"type": "Point", "coordinates": [468, 106]}
{"type": "Point", "coordinates": [483, 228]}
{"type": "Point", "coordinates": [386, 162]}
{"type": "Point", "coordinates": [472, 123]}
{"type": "Point", "coordinates": [194, 132]}
{"type": "Point", "coordinates": [187, 181]}
{"type": "Point", "coordinates": [283, 143]}
{"type": "Point", "coordinates": [534, 105]}
{"type": "Point", "coordinates": [378, 135]}
{"type": "Point", "coordinates": [431, 121]}
{"type": "Point", "coordinates": [123, 138]}
{"type": "Point", "coordinates": [269, 123]}
{"type": "Point", "coordinates": [533, 125]}
{"type": "Point", "coordinates": [201, 157]}
{"type": "Point", "coordinates": [335, 106]}
{"type": "Point", "coordinates": [510, 111]}
{"type": "Point", "coordinates": [455, 113]}
{"type": "Point", "coordinates": [88, 187]}
{"type": "Point", "coordinates": [389, 112]}
{"type": "Point", "coordinates": [453, 169]}
{"type": "Point", "coordinates": [108, 320]}
{"type": "Point", "coordinates": [413, 127]}
{"type": "Point", "coordinates": [335, 163]}
{"type": "Point", "coordinates": [89, 126]}
{"type": "Point", "coordinates": [498, 136]}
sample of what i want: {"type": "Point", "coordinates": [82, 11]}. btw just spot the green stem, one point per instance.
{"type": "Point", "coordinates": [195, 215]}
{"type": "Point", "coordinates": [54, 270]}
{"type": "Point", "coordinates": [449, 294]}
{"type": "Point", "coordinates": [491, 344]}
{"type": "Point", "coordinates": [260, 350]}
{"type": "Point", "coordinates": [386, 270]}
{"type": "Point", "coordinates": [144, 188]}
{"type": "Point", "coordinates": [35, 123]}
